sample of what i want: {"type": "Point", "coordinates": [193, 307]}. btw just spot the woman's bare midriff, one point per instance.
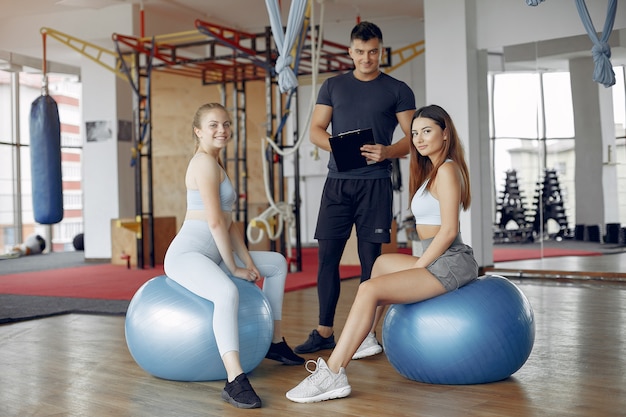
{"type": "Point", "coordinates": [426, 231]}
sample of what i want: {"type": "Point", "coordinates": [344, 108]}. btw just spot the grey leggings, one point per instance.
{"type": "Point", "coordinates": [193, 261]}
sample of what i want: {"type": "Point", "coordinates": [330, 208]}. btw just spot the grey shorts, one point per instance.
{"type": "Point", "coordinates": [456, 267]}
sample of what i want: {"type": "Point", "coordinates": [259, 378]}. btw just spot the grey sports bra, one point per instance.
{"type": "Point", "coordinates": [227, 197]}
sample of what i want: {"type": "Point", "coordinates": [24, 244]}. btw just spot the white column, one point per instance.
{"type": "Point", "coordinates": [456, 79]}
{"type": "Point", "coordinates": [108, 181]}
{"type": "Point", "coordinates": [596, 178]}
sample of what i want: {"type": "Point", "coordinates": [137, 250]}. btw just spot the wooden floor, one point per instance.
{"type": "Point", "coordinates": [79, 365]}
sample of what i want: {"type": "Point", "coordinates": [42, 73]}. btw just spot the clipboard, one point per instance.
{"type": "Point", "coordinates": [346, 148]}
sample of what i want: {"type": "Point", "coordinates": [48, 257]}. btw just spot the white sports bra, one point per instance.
{"type": "Point", "coordinates": [425, 207]}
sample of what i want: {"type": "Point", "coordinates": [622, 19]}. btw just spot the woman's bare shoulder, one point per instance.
{"type": "Point", "coordinates": [202, 161]}
{"type": "Point", "coordinates": [201, 168]}
{"type": "Point", "coordinates": [449, 168]}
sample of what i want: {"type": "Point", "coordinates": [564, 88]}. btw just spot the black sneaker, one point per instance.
{"type": "Point", "coordinates": [240, 393]}
{"type": "Point", "coordinates": [316, 342]}
{"type": "Point", "coordinates": [281, 352]}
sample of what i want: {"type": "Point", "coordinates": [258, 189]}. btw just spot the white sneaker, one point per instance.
{"type": "Point", "coordinates": [369, 347]}
{"type": "Point", "coordinates": [323, 384]}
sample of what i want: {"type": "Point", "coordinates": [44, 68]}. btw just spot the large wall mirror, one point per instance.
{"type": "Point", "coordinates": [534, 145]}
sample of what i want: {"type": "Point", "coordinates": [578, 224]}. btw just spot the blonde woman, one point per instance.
{"type": "Point", "coordinates": [209, 249]}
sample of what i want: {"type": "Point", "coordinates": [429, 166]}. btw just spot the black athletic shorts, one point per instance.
{"type": "Point", "coordinates": [366, 203]}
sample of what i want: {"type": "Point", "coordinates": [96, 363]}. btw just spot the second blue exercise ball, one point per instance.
{"type": "Point", "coordinates": [482, 332]}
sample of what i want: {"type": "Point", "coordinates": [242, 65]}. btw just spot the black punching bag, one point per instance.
{"type": "Point", "coordinates": [45, 160]}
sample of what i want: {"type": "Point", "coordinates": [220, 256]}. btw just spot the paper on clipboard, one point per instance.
{"type": "Point", "coordinates": [346, 148]}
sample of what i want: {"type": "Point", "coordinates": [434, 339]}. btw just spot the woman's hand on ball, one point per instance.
{"type": "Point", "coordinates": [248, 274]}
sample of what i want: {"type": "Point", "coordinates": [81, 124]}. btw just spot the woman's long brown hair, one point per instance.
{"type": "Point", "coordinates": [421, 167]}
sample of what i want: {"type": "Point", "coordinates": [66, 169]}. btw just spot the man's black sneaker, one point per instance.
{"type": "Point", "coordinates": [240, 393]}
{"type": "Point", "coordinates": [316, 342]}
{"type": "Point", "coordinates": [281, 352]}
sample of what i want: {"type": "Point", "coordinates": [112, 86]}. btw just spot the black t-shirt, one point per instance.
{"type": "Point", "coordinates": [365, 104]}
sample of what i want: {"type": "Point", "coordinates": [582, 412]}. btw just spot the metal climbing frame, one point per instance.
{"type": "Point", "coordinates": [216, 55]}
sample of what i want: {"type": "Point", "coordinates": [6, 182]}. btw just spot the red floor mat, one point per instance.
{"type": "Point", "coordinates": [114, 282]}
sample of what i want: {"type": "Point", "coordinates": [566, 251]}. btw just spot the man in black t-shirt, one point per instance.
{"type": "Point", "coordinates": [359, 99]}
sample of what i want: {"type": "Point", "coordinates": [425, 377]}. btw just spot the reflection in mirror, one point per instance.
{"type": "Point", "coordinates": [532, 130]}
{"type": "Point", "coordinates": [533, 151]}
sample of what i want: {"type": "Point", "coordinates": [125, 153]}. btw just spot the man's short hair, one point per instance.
{"type": "Point", "coordinates": [365, 31]}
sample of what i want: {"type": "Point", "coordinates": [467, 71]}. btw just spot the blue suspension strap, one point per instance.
{"type": "Point", "coordinates": [601, 51]}
{"type": "Point", "coordinates": [287, 79]}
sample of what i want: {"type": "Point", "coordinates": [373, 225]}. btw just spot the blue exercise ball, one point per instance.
{"type": "Point", "coordinates": [169, 331]}
{"type": "Point", "coordinates": [482, 332]}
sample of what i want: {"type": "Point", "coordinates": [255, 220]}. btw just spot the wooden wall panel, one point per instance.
{"type": "Point", "coordinates": [124, 241]}
{"type": "Point", "coordinates": [175, 100]}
